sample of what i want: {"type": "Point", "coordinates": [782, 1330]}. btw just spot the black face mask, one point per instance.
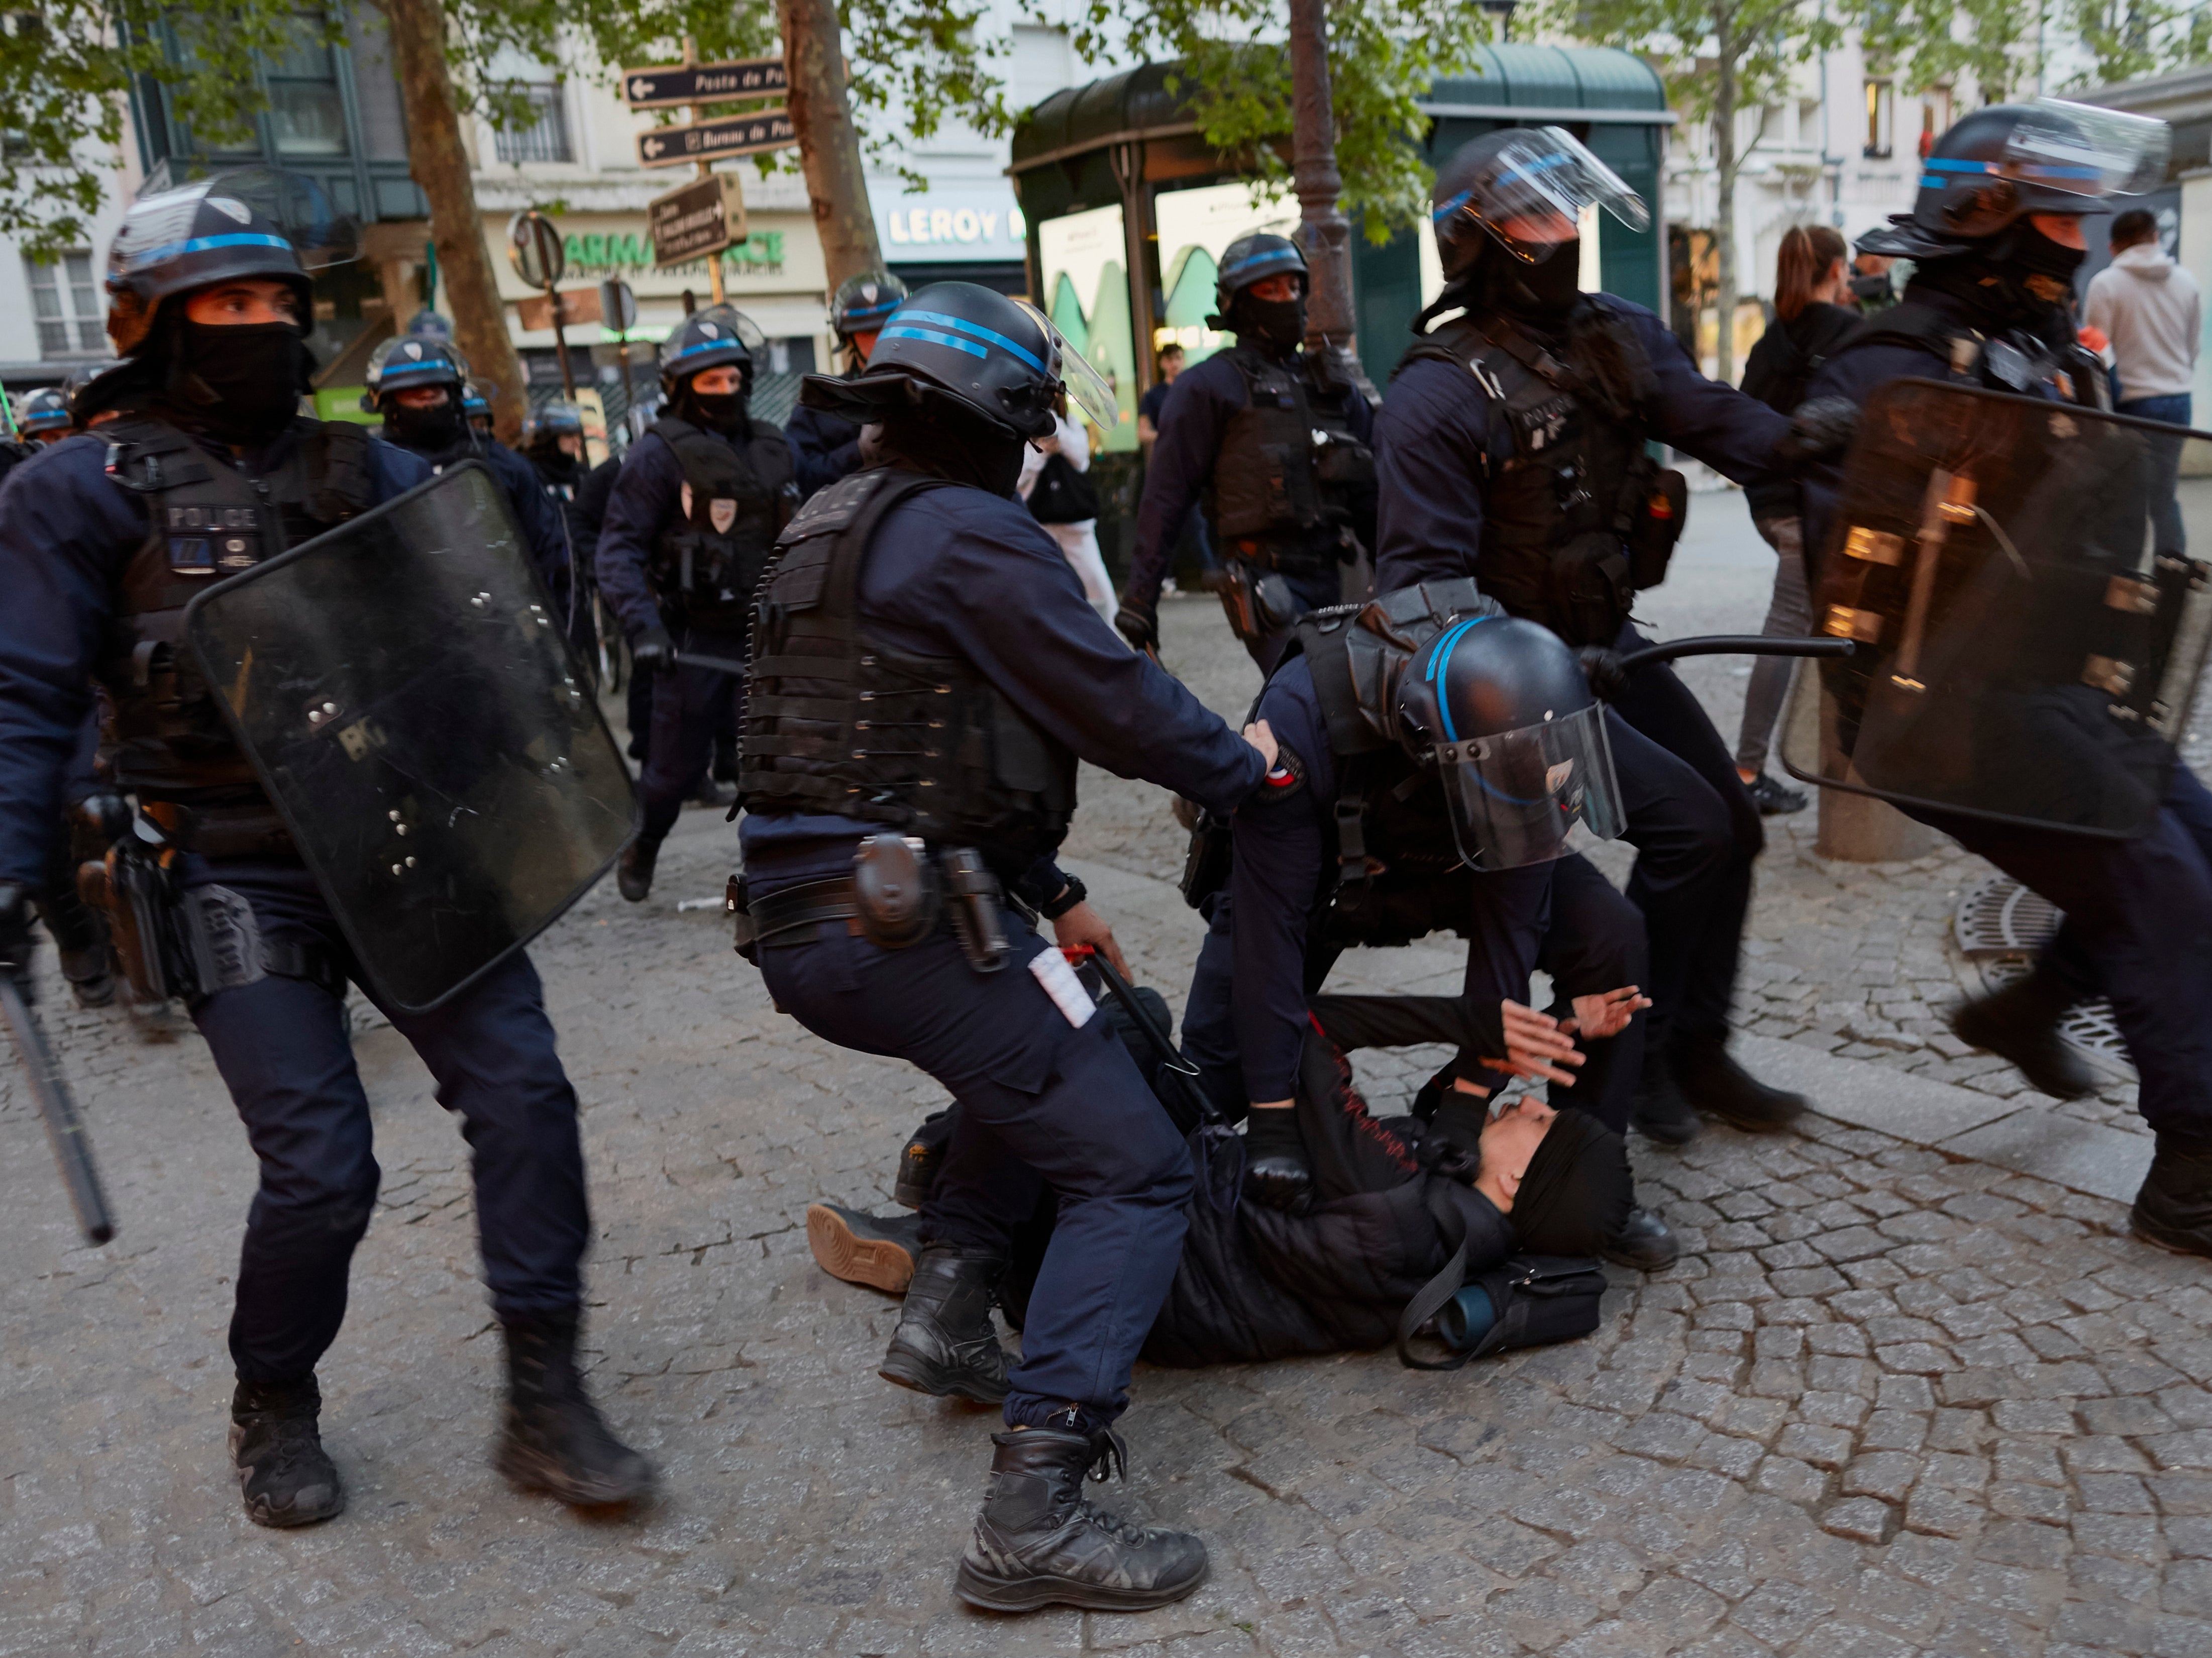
{"type": "Point", "coordinates": [242, 380]}
{"type": "Point", "coordinates": [1280, 324]}
{"type": "Point", "coordinates": [432, 430]}
{"type": "Point", "coordinates": [722, 411]}
{"type": "Point", "coordinates": [1542, 293]}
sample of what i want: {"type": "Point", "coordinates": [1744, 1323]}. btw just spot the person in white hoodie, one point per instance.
{"type": "Point", "coordinates": [2152, 312]}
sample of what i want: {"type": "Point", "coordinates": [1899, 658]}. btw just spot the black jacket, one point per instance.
{"type": "Point", "coordinates": [1778, 371]}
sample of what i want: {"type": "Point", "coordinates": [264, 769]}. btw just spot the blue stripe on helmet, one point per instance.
{"type": "Point", "coordinates": [1939, 164]}
{"type": "Point", "coordinates": [1452, 206]}
{"type": "Point", "coordinates": [899, 330]}
{"type": "Point", "coordinates": [877, 308]}
{"type": "Point", "coordinates": [1439, 659]}
{"type": "Point", "coordinates": [982, 333]}
{"type": "Point", "coordinates": [1283, 256]}
{"type": "Point", "coordinates": [202, 244]}
{"type": "Point", "coordinates": [419, 368]}
{"type": "Point", "coordinates": [731, 344]}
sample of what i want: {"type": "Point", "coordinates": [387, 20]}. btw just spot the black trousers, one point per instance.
{"type": "Point", "coordinates": [1696, 834]}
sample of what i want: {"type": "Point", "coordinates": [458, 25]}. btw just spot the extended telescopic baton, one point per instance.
{"type": "Point", "coordinates": [64, 1128]}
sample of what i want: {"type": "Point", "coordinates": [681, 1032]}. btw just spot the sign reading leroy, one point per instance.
{"type": "Point", "coordinates": [709, 141]}
{"type": "Point", "coordinates": [668, 84]}
{"type": "Point", "coordinates": [694, 220]}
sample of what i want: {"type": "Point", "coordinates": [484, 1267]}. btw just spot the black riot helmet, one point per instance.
{"type": "Point", "coordinates": [864, 303]}
{"type": "Point", "coordinates": [997, 358]}
{"type": "Point", "coordinates": [1499, 708]}
{"type": "Point", "coordinates": [477, 397]}
{"type": "Point", "coordinates": [402, 365]}
{"type": "Point", "coordinates": [79, 391]}
{"type": "Point", "coordinates": [44, 414]}
{"type": "Point", "coordinates": [2009, 161]}
{"type": "Point", "coordinates": [250, 222]}
{"type": "Point", "coordinates": [1523, 189]}
{"type": "Point", "coordinates": [552, 422]}
{"type": "Point", "coordinates": [708, 339]}
{"type": "Point", "coordinates": [1253, 258]}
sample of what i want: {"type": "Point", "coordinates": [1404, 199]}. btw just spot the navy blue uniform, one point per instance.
{"type": "Point", "coordinates": [691, 707]}
{"type": "Point", "coordinates": [1193, 423]}
{"type": "Point", "coordinates": [824, 447]}
{"type": "Point", "coordinates": [959, 573]}
{"type": "Point", "coordinates": [2138, 925]}
{"type": "Point", "coordinates": [281, 1044]}
{"type": "Point", "coordinates": [1264, 958]}
{"type": "Point", "coordinates": [1690, 817]}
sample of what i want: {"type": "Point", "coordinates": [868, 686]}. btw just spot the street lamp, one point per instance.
{"type": "Point", "coordinates": [1323, 231]}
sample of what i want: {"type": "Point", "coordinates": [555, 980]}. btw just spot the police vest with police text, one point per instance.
{"type": "Point", "coordinates": [1287, 465]}
{"type": "Point", "coordinates": [738, 494]}
{"type": "Point", "coordinates": [211, 518]}
{"type": "Point", "coordinates": [1577, 518]}
{"type": "Point", "coordinates": [837, 722]}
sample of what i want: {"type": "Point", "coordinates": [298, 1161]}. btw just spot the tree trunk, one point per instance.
{"type": "Point", "coordinates": [1724, 168]}
{"type": "Point", "coordinates": [439, 163]}
{"type": "Point", "coordinates": [829, 142]}
{"type": "Point", "coordinates": [1323, 231]}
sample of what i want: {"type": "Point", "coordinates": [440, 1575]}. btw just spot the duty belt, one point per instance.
{"type": "Point", "coordinates": [781, 919]}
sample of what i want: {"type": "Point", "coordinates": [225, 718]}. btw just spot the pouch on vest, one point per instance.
{"type": "Point", "coordinates": [1658, 506]}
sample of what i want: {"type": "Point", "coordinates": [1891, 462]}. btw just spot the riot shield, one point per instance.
{"type": "Point", "coordinates": [2026, 585]}
{"type": "Point", "coordinates": [407, 695]}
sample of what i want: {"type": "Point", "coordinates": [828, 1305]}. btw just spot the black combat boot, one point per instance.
{"type": "Point", "coordinates": [283, 1472]}
{"type": "Point", "coordinates": [633, 874]}
{"type": "Point", "coordinates": [1660, 1112]}
{"type": "Point", "coordinates": [2019, 1023]}
{"type": "Point", "coordinates": [921, 1159]}
{"type": "Point", "coordinates": [2173, 1209]}
{"type": "Point", "coordinates": [1037, 1543]}
{"type": "Point", "coordinates": [1277, 1173]}
{"type": "Point", "coordinates": [945, 1343]}
{"type": "Point", "coordinates": [1644, 1242]}
{"type": "Point", "coordinates": [80, 940]}
{"type": "Point", "coordinates": [877, 1250]}
{"type": "Point", "coordinates": [1710, 1080]}
{"type": "Point", "coordinates": [552, 1438]}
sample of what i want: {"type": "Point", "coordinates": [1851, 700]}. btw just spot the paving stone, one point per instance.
{"type": "Point", "coordinates": [1861, 1519]}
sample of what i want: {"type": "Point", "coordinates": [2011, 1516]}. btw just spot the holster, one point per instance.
{"type": "Point", "coordinates": [1257, 605]}
{"type": "Point", "coordinates": [1656, 503]}
{"type": "Point", "coordinates": [974, 894]}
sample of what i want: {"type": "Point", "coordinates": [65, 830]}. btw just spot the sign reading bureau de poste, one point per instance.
{"type": "Point", "coordinates": [710, 141]}
{"type": "Point", "coordinates": [667, 84]}
{"type": "Point", "coordinates": [702, 217]}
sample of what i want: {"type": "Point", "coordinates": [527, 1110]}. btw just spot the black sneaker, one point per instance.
{"type": "Point", "coordinates": [1712, 1081]}
{"type": "Point", "coordinates": [552, 1437]}
{"type": "Point", "coordinates": [2173, 1209]}
{"type": "Point", "coordinates": [1661, 1113]}
{"type": "Point", "coordinates": [1645, 1242]}
{"type": "Point", "coordinates": [919, 1160]}
{"type": "Point", "coordinates": [634, 873]}
{"type": "Point", "coordinates": [946, 1345]}
{"type": "Point", "coordinates": [1774, 798]}
{"type": "Point", "coordinates": [1037, 1542]}
{"type": "Point", "coordinates": [877, 1250]}
{"type": "Point", "coordinates": [284, 1474]}
{"type": "Point", "coordinates": [2019, 1023]}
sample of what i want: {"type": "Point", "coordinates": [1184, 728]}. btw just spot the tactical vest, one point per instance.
{"type": "Point", "coordinates": [1282, 479]}
{"type": "Point", "coordinates": [837, 722]}
{"type": "Point", "coordinates": [2014, 362]}
{"type": "Point", "coordinates": [211, 518]}
{"type": "Point", "coordinates": [1578, 519]}
{"type": "Point", "coordinates": [707, 563]}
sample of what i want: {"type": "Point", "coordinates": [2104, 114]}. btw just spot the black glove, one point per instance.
{"type": "Point", "coordinates": [1608, 680]}
{"type": "Point", "coordinates": [653, 650]}
{"type": "Point", "coordinates": [1819, 429]}
{"type": "Point", "coordinates": [17, 941]}
{"type": "Point", "coordinates": [1137, 624]}
{"type": "Point", "coordinates": [1456, 1134]}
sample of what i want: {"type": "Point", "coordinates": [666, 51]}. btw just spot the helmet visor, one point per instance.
{"type": "Point", "coordinates": [301, 210]}
{"type": "Point", "coordinates": [1513, 797]}
{"type": "Point", "coordinates": [1086, 388]}
{"type": "Point", "coordinates": [1542, 180]}
{"type": "Point", "coordinates": [2082, 150]}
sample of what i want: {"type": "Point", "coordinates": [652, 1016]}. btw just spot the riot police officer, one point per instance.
{"type": "Point", "coordinates": [553, 443]}
{"type": "Point", "coordinates": [475, 407]}
{"type": "Point", "coordinates": [694, 512]}
{"type": "Point", "coordinates": [1272, 440]}
{"type": "Point", "coordinates": [1997, 236]}
{"type": "Point", "coordinates": [825, 445]}
{"type": "Point", "coordinates": [1511, 447]}
{"type": "Point", "coordinates": [420, 385]}
{"type": "Point", "coordinates": [43, 416]}
{"type": "Point", "coordinates": [928, 672]}
{"type": "Point", "coordinates": [102, 545]}
{"type": "Point", "coordinates": [1363, 836]}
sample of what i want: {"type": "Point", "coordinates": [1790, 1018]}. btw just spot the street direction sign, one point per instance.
{"type": "Point", "coordinates": [578, 306]}
{"type": "Point", "coordinates": [533, 246]}
{"type": "Point", "coordinates": [666, 84]}
{"type": "Point", "coordinates": [710, 141]}
{"type": "Point", "coordinates": [694, 220]}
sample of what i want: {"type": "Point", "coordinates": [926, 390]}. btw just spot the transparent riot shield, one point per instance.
{"type": "Point", "coordinates": [404, 688]}
{"type": "Point", "coordinates": [2027, 586]}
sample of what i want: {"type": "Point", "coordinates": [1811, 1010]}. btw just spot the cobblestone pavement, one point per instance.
{"type": "Point", "coordinates": [1891, 1401]}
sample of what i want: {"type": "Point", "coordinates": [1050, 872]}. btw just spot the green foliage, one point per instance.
{"type": "Point", "coordinates": [1766, 41]}
{"type": "Point", "coordinates": [1383, 54]}
{"type": "Point", "coordinates": [65, 71]}
{"type": "Point", "coordinates": [2128, 39]}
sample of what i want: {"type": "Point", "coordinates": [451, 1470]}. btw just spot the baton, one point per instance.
{"type": "Point", "coordinates": [1170, 1054]}
{"type": "Point", "coordinates": [1734, 645]}
{"type": "Point", "coordinates": [65, 1129]}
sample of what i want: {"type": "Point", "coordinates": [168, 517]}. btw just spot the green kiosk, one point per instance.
{"type": "Point", "coordinates": [1114, 178]}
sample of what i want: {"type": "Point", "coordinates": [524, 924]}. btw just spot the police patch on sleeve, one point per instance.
{"type": "Point", "coordinates": [1285, 778]}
